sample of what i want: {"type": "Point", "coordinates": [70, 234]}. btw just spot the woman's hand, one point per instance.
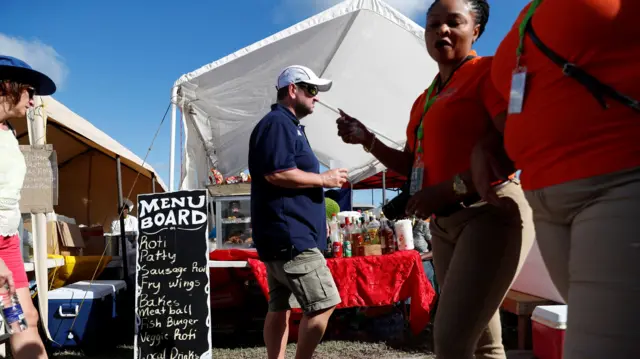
{"type": "Point", "coordinates": [490, 164]}
{"type": "Point", "coordinates": [6, 277]}
{"type": "Point", "coordinates": [428, 200]}
{"type": "Point", "coordinates": [353, 131]}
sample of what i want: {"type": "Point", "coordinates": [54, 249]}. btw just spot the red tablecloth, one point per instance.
{"type": "Point", "coordinates": [376, 281]}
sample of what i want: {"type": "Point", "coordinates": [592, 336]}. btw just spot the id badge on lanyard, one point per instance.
{"type": "Point", "coordinates": [519, 75]}
{"type": "Point", "coordinates": [417, 175]}
{"type": "Point", "coordinates": [417, 170]}
{"type": "Point", "coordinates": [516, 95]}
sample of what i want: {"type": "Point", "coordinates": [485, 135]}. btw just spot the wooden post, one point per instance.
{"type": "Point", "coordinates": [123, 239]}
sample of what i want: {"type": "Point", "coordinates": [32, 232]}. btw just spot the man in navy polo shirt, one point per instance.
{"type": "Point", "coordinates": [288, 215]}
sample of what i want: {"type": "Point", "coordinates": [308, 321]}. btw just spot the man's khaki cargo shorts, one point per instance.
{"type": "Point", "coordinates": [303, 282]}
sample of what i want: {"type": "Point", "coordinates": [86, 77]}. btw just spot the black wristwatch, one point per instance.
{"type": "Point", "coordinates": [459, 187]}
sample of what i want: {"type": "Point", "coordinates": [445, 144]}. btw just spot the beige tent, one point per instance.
{"type": "Point", "coordinates": [88, 189]}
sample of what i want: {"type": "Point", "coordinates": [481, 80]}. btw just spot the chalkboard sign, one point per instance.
{"type": "Point", "coordinates": [172, 277]}
{"type": "Point", "coordinates": [40, 189]}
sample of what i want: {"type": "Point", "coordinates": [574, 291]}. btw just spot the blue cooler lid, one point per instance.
{"type": "Point", "coordinates": [78, 291]}
{"type": "Point", "coordinates": [114, 285]}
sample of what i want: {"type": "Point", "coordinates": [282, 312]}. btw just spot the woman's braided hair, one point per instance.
{"type": "Point", "coordinates": [480, 9]}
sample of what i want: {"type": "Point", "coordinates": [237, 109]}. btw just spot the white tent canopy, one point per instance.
{"type": "Point", "coordinates": [375, 56]}
{"type": "Point", "coordinates": [87, 166]}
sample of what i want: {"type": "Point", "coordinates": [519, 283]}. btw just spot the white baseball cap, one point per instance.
{"type": "Point", "coordinates": [296, 73]}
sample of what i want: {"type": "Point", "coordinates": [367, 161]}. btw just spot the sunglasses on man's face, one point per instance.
{"type": "Point", "coordinates": [311, 89]}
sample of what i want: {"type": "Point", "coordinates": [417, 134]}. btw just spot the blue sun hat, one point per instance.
{"type": "Point", "coordinates": [17, 70]}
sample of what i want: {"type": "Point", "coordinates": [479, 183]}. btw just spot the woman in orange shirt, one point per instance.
{"type": "Point", "coordinates": [478, 247]}
{"type": "Point", "coordinates": [578, 145]}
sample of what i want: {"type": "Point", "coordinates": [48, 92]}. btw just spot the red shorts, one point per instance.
{"type": "Point", "coordinates": [12, 257]}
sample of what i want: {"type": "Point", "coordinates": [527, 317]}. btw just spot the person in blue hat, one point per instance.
{"type": "Point", "coordinates": [19, 83]}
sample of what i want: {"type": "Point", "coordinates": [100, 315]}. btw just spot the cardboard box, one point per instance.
{"type": "Point", "coordinates": [94, 241]}
{"type": "Point", "coordinates": [64, 238]}
{"type": "Point", "coordinates": [373, 250]}
{"type": "Point", "coordinates": [52, 238]}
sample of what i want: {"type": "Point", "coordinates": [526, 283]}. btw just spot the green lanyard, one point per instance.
{"type": "Point", "coordinates": [428, 101]}
{"type": "Point", "coordinates": [523, 29]}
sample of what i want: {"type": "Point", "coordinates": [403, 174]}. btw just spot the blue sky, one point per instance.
{"type": "Point", "coordinates": [115, 61]}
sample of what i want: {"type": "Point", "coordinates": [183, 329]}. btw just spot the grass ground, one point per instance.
{"type": "Point", "coordinates": [236, 345]}
{"type": "Point", "coordinates": [252, 347]}
{"type": "Point", "coordinates": [326, 350]}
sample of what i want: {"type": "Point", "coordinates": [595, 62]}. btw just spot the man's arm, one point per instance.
{"type": "Point", "coordinates": [274, 155]}
{"type": "Point", "coordinates": [295, 178]}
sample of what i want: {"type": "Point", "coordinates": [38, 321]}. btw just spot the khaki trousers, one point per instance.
{"type": "Point", "coordinates": [589, 236]}
{"type": "Point", "coordinates": [477, 253]}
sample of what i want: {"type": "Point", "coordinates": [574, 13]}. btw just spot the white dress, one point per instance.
{"type": "Point", "coordinates": [12, 172]}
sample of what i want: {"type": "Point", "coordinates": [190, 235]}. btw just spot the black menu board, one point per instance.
{"type": "Point", "coordinates": [172, 277]}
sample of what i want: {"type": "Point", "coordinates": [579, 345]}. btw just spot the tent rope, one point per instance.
{"type": "Point", "coordinates": [144, 161]}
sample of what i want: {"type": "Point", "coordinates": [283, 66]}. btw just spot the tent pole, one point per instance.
{"type": "Point", "coordinates": [351, 194]}
{"type": "Point", "coordinates": [172, 156]}
{"type": "Point", "coordinates": [384, 187]}
{"type": "Point", "coordinates": [38, 137]}
{"type": "Point", "coordinates": [181, 144]}
{"type": "Point", "coordinates": [153, 183]}
{"type": "Point", "coordinates": [123, 239]}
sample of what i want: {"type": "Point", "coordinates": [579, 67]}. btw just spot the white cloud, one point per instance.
{"type": "Point", "coordinates": [41, 57]}
{"type": "Point", "coordinates": [410, 8]}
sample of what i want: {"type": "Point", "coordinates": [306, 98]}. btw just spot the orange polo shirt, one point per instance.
{"type": "Point", "coordinates": [563, 133]}
{"type": "Point", "coordinates": [459, 117]}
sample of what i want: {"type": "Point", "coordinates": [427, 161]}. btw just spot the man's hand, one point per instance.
{"type": "Point", "coordinates": [426, 256]}
{"type": "Point", "coordinates": [334, 178]}
{"type": "Point", "coordinates": [353, 131]}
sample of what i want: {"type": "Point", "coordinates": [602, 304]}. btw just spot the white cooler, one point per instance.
{"type": "Point", "coordinates": [549, 323]}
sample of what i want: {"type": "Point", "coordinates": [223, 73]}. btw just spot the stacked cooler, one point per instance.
{"type": "Point", "coordinates": [549, 324]}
